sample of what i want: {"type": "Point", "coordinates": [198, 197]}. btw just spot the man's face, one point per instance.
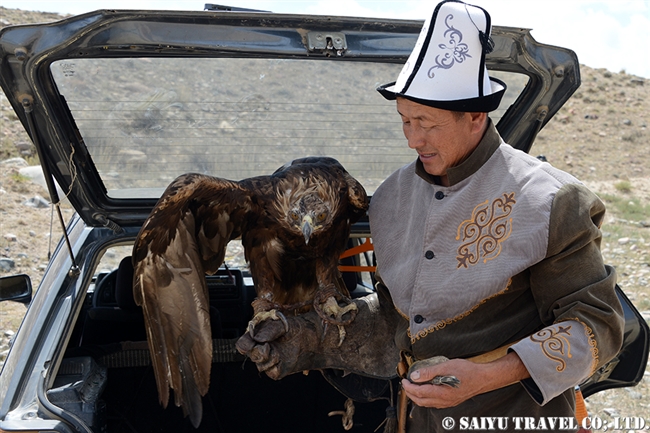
{"type": "Point", "coordinates": [441, 138]}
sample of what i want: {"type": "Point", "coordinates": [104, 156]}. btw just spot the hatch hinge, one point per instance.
{"type": "Point", "coordinates": [101, 218]}
{"type": "Point", "coordinates": [328, 43]}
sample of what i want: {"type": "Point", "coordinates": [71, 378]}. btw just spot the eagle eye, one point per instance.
{"type": "Point", "coordinates": [294, 215]}
{"type": "Point", "coordinates": [321, 217]}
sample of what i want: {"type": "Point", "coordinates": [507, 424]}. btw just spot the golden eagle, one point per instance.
{"type": "Point", "coordinates": [293, 224]}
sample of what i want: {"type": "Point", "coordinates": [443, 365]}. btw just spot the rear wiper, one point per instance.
{"type": "Point", "coordinates": [224, 8]}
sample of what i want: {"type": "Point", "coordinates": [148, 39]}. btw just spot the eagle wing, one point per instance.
{"type": "Point", "coordinates": [184, 238]}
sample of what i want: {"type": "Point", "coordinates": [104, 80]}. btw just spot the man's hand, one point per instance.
{"type": "Point", "coordinates": [474, 379]}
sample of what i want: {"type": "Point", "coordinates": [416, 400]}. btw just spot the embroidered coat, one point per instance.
{"type": "Point", "coordinates": [509, 253]}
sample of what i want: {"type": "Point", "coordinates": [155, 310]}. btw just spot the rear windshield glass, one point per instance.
{"type": "Point", "coordinates": [147, 120]}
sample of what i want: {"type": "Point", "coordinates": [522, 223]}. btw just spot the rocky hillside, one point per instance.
{"type": "Point", "coordinates": [600, 136]}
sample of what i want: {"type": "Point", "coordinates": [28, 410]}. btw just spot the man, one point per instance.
{"type": "Point", "coordinates": [485, 255]}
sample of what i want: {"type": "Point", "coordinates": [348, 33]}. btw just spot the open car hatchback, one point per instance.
{"type": "Point", "coordinates": [119, 103]}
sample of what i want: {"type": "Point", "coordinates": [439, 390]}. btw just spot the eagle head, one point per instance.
{"type": "Point", "coordinates": [309, 215]}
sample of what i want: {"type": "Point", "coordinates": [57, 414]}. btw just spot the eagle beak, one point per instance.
{"type": "Point", "coordinates": [307, 227]}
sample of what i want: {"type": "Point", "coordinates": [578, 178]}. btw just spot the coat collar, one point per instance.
{"type": "Point", "coordinates": [479, 156]}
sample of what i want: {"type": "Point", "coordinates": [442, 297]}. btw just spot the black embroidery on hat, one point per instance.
{"type": "Point", "coordinates": [483, 36]}
{"type": "Point", "coordinates": [456, 51]}
{"type": "Point", "coordinates": [486, 41]}
{"type": "Point", "coordinates": [425, 47]}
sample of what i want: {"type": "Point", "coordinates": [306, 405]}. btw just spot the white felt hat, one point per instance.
{"type": "Point", "coordinates": [447, 66]}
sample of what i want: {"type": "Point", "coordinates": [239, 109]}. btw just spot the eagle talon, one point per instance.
{"type": "Point", "coordinates": [331, 312]}
{"type": "Point", "coordinates": [325, 326]}
{"type": "Point", "coordinates": [266, 315]}
{"type": "Point", "coordinates": [342, 335]}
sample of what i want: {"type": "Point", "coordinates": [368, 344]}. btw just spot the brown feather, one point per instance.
{"type": "Point", "coordinates": [186, 236]}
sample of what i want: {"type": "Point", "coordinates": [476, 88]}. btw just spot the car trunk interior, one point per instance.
{"type": "Point", "coordinates": [106, 378]}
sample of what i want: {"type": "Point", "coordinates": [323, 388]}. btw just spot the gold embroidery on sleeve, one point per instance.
{"type": "Point", "coordinates": [482, 234]}
{"type": "Point", "coordinates": [592, 344]}
{"type": "Point", "coordinates": [555, 345]}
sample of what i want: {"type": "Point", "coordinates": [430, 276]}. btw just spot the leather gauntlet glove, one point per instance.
{"type": "Point", "coordinates": [368, 348]}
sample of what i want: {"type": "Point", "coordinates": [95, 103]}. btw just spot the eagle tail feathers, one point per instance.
{"type": "Point", "coordinates": [192, 385]}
